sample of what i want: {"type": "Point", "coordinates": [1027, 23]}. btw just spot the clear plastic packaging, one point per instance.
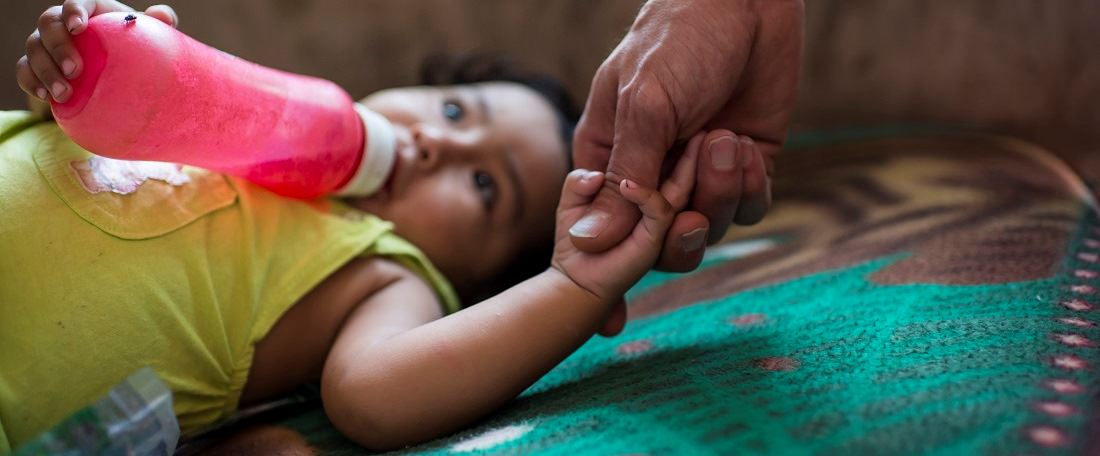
{"type": "Point", "coordinates": [134, 418]}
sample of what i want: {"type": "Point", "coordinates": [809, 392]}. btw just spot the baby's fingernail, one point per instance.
{"type": "Point", "coordinates": [590, 225]}
{"type": "Point", "coordinates": [57, 89]}
{"type": "Point", "coordinates": [67, 66]}
{"type": "Point", "coordinates": [42, 94]}
{"type": "Point", "coordinates": [74, 22]}
{"type": "Point", "coordinates": [723, 153]}
{"type": "Point", "coordinates": [747, 145]}
{"type": "Point", "coordinates": [630, 184]}
{"type": "Point", "coordinates": [692, 240]}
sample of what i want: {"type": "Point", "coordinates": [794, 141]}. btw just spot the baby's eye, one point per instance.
{"type": "Point", "coordinates": [453, 111]}
{"type": "Point", "coordinates": [486, 188]}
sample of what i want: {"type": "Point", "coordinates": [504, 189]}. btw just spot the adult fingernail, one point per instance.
{"type": "Point", "coordinates": [590, 225]}
{"type": "Point", "coordinates": [42, 94]}
{"type": "Point", "coordinates": [748, 150]}
{"type": "Point", "coordinates": [692, 240]}
{"type": "Point", "coordinates": [723, 153]}
{"type": "Point", "coordinates": [57, 89]}
{"type": "Point", "coordinates": [67, 66]}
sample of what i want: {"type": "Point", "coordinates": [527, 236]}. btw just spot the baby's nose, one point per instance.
{"type": "Point", "coordinates": [438, 146]}
{"type": "Point", "coordinates": [428, 141]}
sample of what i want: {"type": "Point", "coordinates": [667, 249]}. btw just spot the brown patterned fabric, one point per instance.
{"type": "Point", "coordinates": [994, 220]}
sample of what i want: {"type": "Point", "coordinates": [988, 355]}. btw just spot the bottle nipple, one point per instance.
{"type": "Point", "coordinates": [379, 151]}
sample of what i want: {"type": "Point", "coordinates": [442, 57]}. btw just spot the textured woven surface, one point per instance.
{"type": "Point", "coordinates": [920, 295]}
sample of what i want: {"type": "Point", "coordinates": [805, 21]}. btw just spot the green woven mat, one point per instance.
{"type": "Point", "coordinates": [909, 296]}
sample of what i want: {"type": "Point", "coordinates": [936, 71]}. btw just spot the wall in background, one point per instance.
{"type": "Point", "coordinates": [1027, 66]}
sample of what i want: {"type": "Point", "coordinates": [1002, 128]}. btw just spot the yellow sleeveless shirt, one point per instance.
{"type": "Point", "coordinates": [183, 275]}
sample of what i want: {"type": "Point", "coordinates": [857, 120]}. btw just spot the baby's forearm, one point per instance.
{"type": "Point", "coordinates": [439, 377]}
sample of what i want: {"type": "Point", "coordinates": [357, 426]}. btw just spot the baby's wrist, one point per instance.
{"type": "Point", "coordinates": [564, 281]}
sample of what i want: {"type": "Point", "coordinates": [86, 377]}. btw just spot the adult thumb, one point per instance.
{"type": "Point", "coordinates": [643, 132]}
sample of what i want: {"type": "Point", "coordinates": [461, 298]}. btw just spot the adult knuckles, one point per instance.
{"type": "Point", "coordinates": [646, 95]}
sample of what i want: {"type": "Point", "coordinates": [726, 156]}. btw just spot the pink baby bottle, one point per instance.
{"type": "Point", "coordinates": [149, 92]}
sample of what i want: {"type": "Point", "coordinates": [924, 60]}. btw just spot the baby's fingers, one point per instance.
{"type": "Point", "coordinates": [679, 185]}
{"type": "Point", "coordinates": [45, 70]}
{"type": "Point", "coordinates": [165, 14]}
{"type": "Point", "coordinates": [580, 187]}
{"type": "Point", "coordinates": [75, 13]}
{"type": "Point", "coordinates": [57, 41]}
{"type": "Point", "coordinates": [657, 212]}
{"type": "Point", "coordinates": [28, 81]}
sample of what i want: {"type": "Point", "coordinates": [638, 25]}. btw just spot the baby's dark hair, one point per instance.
{"type": "Point", "coordinates": [472, 68]}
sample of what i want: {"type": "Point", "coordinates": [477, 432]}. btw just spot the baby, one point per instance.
{"type": "Point", "coordinates": [235, 296]}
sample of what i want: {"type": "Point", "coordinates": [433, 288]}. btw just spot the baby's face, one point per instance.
{"type": "Point", "coordinates": [478, 174]}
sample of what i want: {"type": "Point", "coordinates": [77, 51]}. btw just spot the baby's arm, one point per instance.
{"type": "Point", "coordinates": [388, 382]}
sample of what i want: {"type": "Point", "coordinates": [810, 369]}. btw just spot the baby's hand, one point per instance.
{"type": "Point", "coordinates": [610, 273]}
{"type": "Point", "coordinates": [51, 59]}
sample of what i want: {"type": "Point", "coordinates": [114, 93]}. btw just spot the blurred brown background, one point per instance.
{"type": "Point", "coordinates": [1028, 67]}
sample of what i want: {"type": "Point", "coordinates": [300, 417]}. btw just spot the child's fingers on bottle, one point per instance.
{"type": "Point", "coordinates": [44, 68]}
{"type": "Point", "coordinates": [28, 81]}
{"type": "Point", "coordinates": [164, 13]}
{"type": "Point", "coordinates": [75, 13]}
{"type": "Point", "coordinates": [581, 185]}
{"type": "Point", "coordinates": [57, 41]}
{"type": "Point", "coordinates": [677, 188]}
{"type": "Point", "coordinates": [48, 17]}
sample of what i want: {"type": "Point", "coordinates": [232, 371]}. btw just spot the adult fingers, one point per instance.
{"type": "Point", "coordinates": [593, 137]}
{"type": "Point", "coordinates": [756, 188]}
{"type": "Point", "coordinates": [644, 131]}
{"type": "Point", "coordinates": [720, 178]}
{"type": "Point", "coordinates": [683, 248]}
{"type": "Point", "coordinates": [75, 13]}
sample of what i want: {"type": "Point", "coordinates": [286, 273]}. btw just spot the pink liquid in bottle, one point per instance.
{"type": "Point", "coordinates": [149, 92]}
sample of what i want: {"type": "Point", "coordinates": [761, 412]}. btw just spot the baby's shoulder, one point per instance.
{"type": "Point", "coordinates": [359, 279]}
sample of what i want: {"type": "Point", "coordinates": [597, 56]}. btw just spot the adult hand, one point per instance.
{"type": "Point", "coordinates": [686, 66]}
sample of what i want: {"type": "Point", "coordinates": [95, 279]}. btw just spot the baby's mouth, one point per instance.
{"type": "Point", "coordinates": [387, 186]}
